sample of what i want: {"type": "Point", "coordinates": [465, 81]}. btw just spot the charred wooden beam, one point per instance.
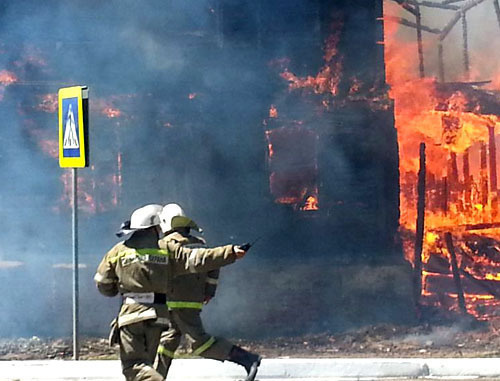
{"type": "Point", "coordinates": [486, 225]}
{"type": "Point", "coordinates": [440, 62]}
{"type": "Point", "coordinates": [462, 86]}
{"type": "Point", "coordinates": [444, 283]}
{"type": "Point", "coordinates": [437, 264]}
{"type": "Point", "coordinates": [466, 165]}
{"type": "Point", "coordinates": [445, 195]}
{"type": "Point", "coordinates": [493, 170]}
{"type": "Point", "coordinates": [467, 227]}
{"type": "Point", "coordinates": [468, 5]}
{"type": "Point", "coordinates": [418, 19]}
{"type": "Point", "coordinates": [467, 179]}
{"type": "Point", "coordinates": [431, 4]}
{"type": "Point", "coordinates": [465, 45]}
{"type": "Point", "coordinates": [419, 236]}
{"type": "Point", "coordinates": [454, 168]}
{"type": "Point", "coordinates": [449, 26]}
{"type": "Point", "coordinates": [406, 6]}
{"type": "Point", "coordinates": [484, 175]}
{"type": "Point", "coordinates": [456, 275]}
{"type": "Point", "coordinates": [481, 284]}
{"type": "Point", "coordinates": [492, 156]}
{"type": "Point", "coordinates": [411, 24]}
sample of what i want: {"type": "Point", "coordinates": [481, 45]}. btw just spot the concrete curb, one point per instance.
{"type": "Point", "coordinates": [338, 368]}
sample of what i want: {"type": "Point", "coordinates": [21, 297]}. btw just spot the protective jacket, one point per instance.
{"type": "Point", "coordinates": [141, 272]}
{"type": "Point", "coordinates": [191, 290]}
{"type": "Point", "coordinates": [185, 297]}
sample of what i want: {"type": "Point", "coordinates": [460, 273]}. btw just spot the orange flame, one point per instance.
{"type": "Point", "coordinates": [111, 112]}
{"type": "Point", "coordinates": [458, 137]}
{"type": "Point", "coordinates": [86, 202]}
{"type": "Point", "coordinates": [270, 150]}
{"type": "Point", "coordinates": [311, 203]}
{"type": "Point", "coordinates": [49, 103]}
{"type": "Point", "coordinates": [107, 107]}
{"type": "Point", "coordinates": [7, 78]}
{"type": "Point", "coordinates": [273, 112]}
{"type": "Point", "coordinates": [328, 78]}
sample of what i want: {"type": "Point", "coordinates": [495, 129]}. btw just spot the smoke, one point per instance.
{"type": "Point", "coordinates": [193, 84]}
{"type": "Point", "coordinates": [439, 336]}
{"type": "Point", "coordinates": [10, 264]}
{"type": "Point", "coordinates": [482, 31]}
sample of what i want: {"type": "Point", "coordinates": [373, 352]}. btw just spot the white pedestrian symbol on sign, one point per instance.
{"type": "Point", "coordinates": [70, 137]}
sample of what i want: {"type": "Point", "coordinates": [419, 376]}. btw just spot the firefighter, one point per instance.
{"type": "Point", "coordinates": [185, 299]}
{"type": "Point", "coordinates": [141, 271]}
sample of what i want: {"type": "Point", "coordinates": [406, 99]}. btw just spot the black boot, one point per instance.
{"type": "Point", "coordinates": [250, 361]}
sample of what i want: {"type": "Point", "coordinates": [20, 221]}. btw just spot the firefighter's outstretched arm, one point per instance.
{"type": "Point", "coordinates": [186, 260]}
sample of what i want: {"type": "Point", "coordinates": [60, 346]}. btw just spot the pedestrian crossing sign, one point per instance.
{"type": "Point", "coordinates": [73, 127]}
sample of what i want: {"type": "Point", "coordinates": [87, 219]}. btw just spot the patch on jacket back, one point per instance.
{"type": "Point", "coordinates": [135, 257]}
{"type": "Point", "coordinates": [158, 259]}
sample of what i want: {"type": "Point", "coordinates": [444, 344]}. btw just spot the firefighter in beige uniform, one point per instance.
{"type": "Point", "coordinates": [186, 296]}
{"type": "Point", "coordinates": [141, 272]}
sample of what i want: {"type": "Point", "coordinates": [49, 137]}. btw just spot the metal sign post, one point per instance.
{"type": "Point", "coordinates": [76, 350]}
{"type": "Point", "coordinates": [73, 153]}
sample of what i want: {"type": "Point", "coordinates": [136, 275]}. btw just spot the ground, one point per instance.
{"type": "Point", "coordinates": [374, 341]}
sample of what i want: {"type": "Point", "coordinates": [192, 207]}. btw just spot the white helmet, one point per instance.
{"type": "Point", "coordinates": [141, 218]}
{"type": "Point", "coordinates": [172, 216]}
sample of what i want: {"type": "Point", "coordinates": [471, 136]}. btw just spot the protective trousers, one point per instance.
{"type": "Point", "coordinates": [138, 345]}
{"type": "Point", "coordinates": [188, 321]}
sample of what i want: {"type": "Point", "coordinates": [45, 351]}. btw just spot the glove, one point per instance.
{"type": "Point", "coordinates": [240, 253]}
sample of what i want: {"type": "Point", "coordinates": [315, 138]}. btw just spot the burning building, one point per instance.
{"type": "Point", "coordinates": [270, 120]}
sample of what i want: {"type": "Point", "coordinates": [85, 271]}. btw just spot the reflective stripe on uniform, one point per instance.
{"type": "Point", "coordinates": [193, 305]}
{"type": "Point", "coordinates": [204, 347]}
{"type": "Point", "coordinates": [99, 278]}
{"type": "Point", "coordinates": [139, 252]}
{"type": "Point", "coordinates": [212, 281]}
{"type": "Point", "coordinates": [135, 317]}
{"type": "Point", "coordinates": [138, 297]}
{"type": "Point", "coordinates": [164, 351]}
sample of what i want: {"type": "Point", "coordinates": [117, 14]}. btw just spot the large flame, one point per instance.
{"type": "Point", "coordinates": [459, 126]}
{"type": "Point", "coordinates": [328, 78]}
{"type": "Point", "coordinates": [292, 147]}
